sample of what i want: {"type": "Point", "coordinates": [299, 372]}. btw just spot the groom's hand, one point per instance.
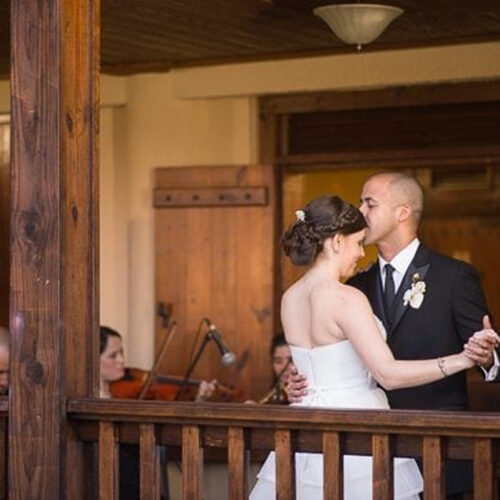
{"type": "Point", "coordinates": [480, 346]}
{"type": "Point", "coordinates": [296, 387]}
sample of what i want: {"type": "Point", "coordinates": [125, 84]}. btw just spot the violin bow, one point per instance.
{"type": "Point", "coordinates": [159, 357]}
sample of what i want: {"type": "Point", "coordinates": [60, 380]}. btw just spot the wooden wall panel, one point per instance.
{"type": "Point", "coordinates": [217, 262]}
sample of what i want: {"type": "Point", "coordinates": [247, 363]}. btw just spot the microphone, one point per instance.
{"type": "Point", "coordinates": [228, 357]}
{"type": "Point", "coordinates": [164, 311]}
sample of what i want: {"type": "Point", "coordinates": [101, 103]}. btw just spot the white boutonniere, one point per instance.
{"type": "Point", "coordinates": [415, 295]}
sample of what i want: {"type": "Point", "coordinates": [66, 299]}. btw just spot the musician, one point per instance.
{"type": "Point", "coordinates": [112, 359]}
{"type": "Point", "coordinates": [281, 363]}
{"type": "Point", "coordinates": [281, 358]}
{"type": "Point", "coordinates": [112, 363]}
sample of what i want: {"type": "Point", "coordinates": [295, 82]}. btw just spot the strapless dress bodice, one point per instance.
{"type": "Point", "coordinates": [337, 377]}
{"type": "Point", "coordinates": [331, 365]}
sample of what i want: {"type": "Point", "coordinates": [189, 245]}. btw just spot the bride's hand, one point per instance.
{"type": "Point", "coordinates": [479, 348]}
{"type": "Point", "coordinates": [468, 361]}
{"type": "Point", "coordinates": [296, 386]}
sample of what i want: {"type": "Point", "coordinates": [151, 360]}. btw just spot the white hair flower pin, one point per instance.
{"type": "Point", "coordinates": [301, 215]}
{"type": "Point", "coordinates": [415, 294]}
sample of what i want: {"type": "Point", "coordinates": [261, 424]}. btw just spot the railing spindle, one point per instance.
{"type": "Point", "coordinates": [150, 463]}
{"type": "Point", "coordinates": [238, 464]}
{"type": "Point", "coordinates": [333, 467]}
{"type": "Point", "coordinates": [192, 463]}
{"type": "Point", "coordinates": [433, 468]}
{"type": "Point", "coordinates": [484, 480]}
{"type": "Point", "coordinates": [108, 462]}
{"type": "Point", "coordinates": [285, 465]}
{"type": "Point", "coordinates": [383, 478]}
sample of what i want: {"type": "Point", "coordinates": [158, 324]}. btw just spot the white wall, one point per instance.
{"type": "Point", "coordinates": [155, 129]}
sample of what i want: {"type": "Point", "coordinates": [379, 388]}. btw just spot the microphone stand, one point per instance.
{"type": "Point", "coordinates": [191, 367]}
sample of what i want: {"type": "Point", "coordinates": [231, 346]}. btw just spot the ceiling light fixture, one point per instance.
{"type": "Point", "coordinates": [358, 23]}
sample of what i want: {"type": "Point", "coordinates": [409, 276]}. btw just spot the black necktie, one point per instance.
{"type": "Point", "coordinates": [389, 291]}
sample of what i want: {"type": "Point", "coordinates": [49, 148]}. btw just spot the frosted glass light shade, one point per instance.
{"type": "Point", "coordinates": [358, 23]}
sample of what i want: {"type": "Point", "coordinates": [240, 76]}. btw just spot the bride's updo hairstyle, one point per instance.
{"type": "Point", "coordinates": [321, 219]}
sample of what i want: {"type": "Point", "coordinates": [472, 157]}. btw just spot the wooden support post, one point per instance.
{"type": "Point", "coordinates": [54, 282]}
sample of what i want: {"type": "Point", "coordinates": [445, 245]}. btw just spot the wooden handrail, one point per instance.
{"type": "Point", "coordinates": [414, 422]}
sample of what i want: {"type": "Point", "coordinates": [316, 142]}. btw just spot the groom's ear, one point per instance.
{"type": "Point", "coordinates": [404, 212]}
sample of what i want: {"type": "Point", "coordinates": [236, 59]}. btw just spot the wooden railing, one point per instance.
{"type": "Point", "coordinates": [240, 428]}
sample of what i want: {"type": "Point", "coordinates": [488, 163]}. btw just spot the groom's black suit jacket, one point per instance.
{"type": "Point", "coordinates": [452, 310]}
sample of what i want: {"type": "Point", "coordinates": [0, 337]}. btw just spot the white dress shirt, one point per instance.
{"type": "Point", "coordinates": [401, 262]}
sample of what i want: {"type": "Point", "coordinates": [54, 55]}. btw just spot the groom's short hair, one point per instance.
{"type": "Point", "coordinates": [408, 191]}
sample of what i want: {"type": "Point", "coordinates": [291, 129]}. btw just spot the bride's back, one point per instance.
{"type": "Point", "coordinates": [309, 312]}
{"type": "Point", "coordinates": [327, 236]}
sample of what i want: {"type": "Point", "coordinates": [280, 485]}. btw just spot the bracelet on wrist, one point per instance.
{"type": "Point", "coordinates": [441, 364]}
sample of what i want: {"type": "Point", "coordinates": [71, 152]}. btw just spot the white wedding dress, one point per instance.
{"type": "Point", "coordinates": [337, 378]}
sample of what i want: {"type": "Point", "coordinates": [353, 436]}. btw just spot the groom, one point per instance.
{"type": "Point", "coordinates": [430, 304]}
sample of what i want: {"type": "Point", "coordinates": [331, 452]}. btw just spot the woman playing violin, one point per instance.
{"type": "Point", "coordinates": [112, 364]}
{"type": "Point", "coordinates": [112, 359]}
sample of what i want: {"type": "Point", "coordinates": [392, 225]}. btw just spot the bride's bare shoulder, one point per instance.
{"type": "Point", "coordinates": [352, 296]}
{"type": "Point", "coordinates": [291, 294]}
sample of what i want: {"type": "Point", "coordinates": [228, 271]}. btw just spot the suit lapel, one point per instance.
{"type": "Point", "coordinates": [420, 265]}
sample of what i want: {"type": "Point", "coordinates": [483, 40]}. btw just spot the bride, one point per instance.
{"type": "Point", "coordinates": [338, 343]}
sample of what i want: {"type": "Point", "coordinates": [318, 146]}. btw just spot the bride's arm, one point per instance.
{"type": "Point", "coordinates": [355, 317]}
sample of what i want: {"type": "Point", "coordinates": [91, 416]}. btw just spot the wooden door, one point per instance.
{"type": "Point", "coordinates": [214, 258]}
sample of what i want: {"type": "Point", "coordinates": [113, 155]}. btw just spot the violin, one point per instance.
{"type": "Point", "coordinates": [163, 388]}
{"type": "Point", "coordinates": [141, 384]}
{"type": "Point", "coordinates": [166, 387]}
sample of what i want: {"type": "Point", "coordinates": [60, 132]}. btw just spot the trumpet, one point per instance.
{"type": "Point", "coordinates": [277, 394]}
